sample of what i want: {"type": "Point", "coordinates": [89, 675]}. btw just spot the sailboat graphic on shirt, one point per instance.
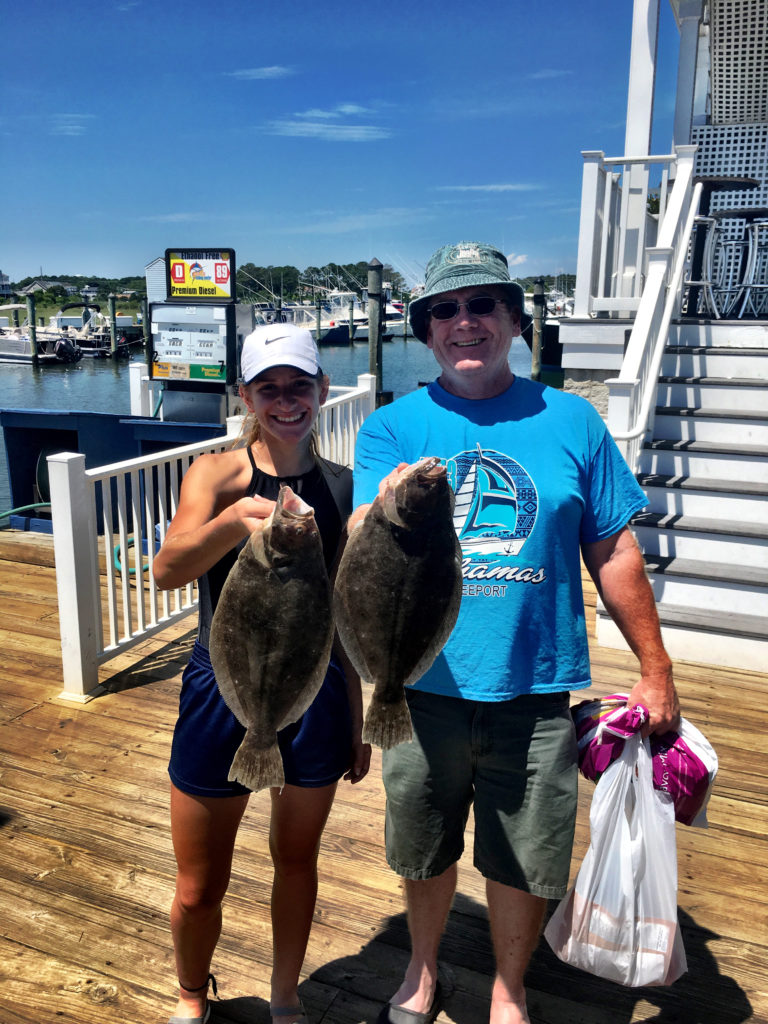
{"type": "Point", "coordinates": [496, 502]}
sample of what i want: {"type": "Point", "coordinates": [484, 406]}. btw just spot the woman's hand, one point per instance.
{"type": "Point", "coordinates": [361, 761]}
{"type": "Point", "coordinates": [251, 512]}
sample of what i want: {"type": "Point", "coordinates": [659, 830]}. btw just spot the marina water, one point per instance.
{"type": "Point", "coordinates": [102, 385]}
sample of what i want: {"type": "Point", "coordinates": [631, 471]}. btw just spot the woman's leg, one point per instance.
{"type": "Point", "coordinates": [203, 831]}
{"type": "Point", "coordinates": [298, 818]}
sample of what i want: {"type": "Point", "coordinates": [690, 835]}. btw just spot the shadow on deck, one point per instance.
{"type": "Point", "coordinates": [87, 871]}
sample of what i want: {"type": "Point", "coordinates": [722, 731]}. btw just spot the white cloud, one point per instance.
{"type": "Point", "coordinates": [316, 113]}
{"type": "Point", "coordinates": [487, 188]}
{"type": "Point", "coordinates": [70, 124]}
{"type": "Point", "coordinates": [172, 218]}
{"type": "Point", "coordinates": [345, 109]}
{"type": "Point", "coordinates": [355, 222]}
{"type": "Point", "coordinates": [328, 132]}
{"type": "Point", "coordinates": [252, 74]}
{"type": "Point", "coordinates": [549, 73]}
{"type": "Point", "coordinates": [352, 108]}
{"type": "Point", "coordinates": [516, 260]}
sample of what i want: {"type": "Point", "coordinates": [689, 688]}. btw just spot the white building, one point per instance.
{"type": "Point", "coordinates": [669, 336]}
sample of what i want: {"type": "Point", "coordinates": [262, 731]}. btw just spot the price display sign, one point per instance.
{"type": "Point", "coordinates": [200, 275]}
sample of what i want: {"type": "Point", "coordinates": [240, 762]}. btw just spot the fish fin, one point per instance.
{"type": "Point", "coordinates": [257, 767]}
{"type": "Point", "coordinates": [387, 724]}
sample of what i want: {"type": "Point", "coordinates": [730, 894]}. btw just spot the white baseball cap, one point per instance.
{"type": "Point", "coordinates": [278, 345]}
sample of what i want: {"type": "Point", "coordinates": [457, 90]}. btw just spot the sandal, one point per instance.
{"type": "Point", "coordinates": [207, 1015]}
{"type": "Point", "coordinates": [394, 1014]}
{"type": "Point", "coordinates": [288, 1011]}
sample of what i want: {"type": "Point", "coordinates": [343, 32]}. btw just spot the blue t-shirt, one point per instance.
{"type": "Point", "coordinates": [536, 474]}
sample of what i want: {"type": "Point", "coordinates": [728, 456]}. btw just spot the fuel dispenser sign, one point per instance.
{"type": "Point", "coordinates": [200, 275]}
{"type": "Point", "coordinates": [184, 351]}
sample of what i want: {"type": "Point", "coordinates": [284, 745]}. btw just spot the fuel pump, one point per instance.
{"type": "Point", "coordinates": [196, 335]}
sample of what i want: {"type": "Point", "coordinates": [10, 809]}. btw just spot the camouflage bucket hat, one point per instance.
{"type": "Point", "coordinates": [464, 265]}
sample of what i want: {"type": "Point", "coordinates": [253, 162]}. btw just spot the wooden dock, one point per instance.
{"type": "Point", "coordinates": [87, 871]}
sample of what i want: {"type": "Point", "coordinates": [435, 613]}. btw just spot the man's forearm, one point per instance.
{"type": "Point", "coordinates": [618, 569]}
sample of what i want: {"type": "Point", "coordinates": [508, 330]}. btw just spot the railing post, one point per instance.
{"type": "Point", "coordinates": [622, 402]}
{"type": "Point", "coordinates": [140, 404]}
{"type": "Point", "coordinates": [648, 312]}
{"type": "Point", "coordinates": [368, 381]}
{"type": "Point", "coordinates": [234, 425]}
{"type": "Point", "coordinates": [77, 575]}
{"type": "Point", "coordinates": [586, 260]}
{"type": "Point", "coordinates": [690, 15]}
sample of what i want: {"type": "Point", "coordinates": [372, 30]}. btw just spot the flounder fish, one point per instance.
{"type": "Point", "coordinates": [271, 635]}
{"type": "Point", "coordinates": [397, 593]}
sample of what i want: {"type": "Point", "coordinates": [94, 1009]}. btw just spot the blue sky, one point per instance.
{"type": "Point", "coordinates": [300, 133]}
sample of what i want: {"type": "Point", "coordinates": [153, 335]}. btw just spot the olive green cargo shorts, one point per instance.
{"type": "Point", "coordinates": [515, 761]}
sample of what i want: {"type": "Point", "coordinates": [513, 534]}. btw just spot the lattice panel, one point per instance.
{"type": "Point", "coordinates": [739, 54]}
{"type": "Point", "coordinates": [738, 149]}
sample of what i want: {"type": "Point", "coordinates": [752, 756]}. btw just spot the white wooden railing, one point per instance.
{"type": "Point", "coordinates": [632, 395]}
{"type": "Point", "coordinates": [616, 231]}
{"type": "Point", "coordinates": [107, 522]}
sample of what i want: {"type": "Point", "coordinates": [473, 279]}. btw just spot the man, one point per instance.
{"type": "Point", "coordinates": [538, 482]}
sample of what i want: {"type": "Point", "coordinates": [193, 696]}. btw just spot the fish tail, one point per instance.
{"type": "Point", "coordinates": [257, 767]}
{"type": "Point", "coordinates": [387, 723]}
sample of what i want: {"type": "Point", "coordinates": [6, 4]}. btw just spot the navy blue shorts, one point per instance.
{"type": "Point", "coordinates": [316, 750]}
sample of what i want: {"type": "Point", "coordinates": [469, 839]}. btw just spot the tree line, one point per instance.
{"type": "Point", "coordinates": [266, 284]}
{"type": "Point", "coordinates": [103, 284]}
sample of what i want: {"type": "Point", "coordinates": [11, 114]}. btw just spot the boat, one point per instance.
{"type": "Point", "coordinates": [559, 304]}
{"type": "Point", "coordinates": [93, 334]}
{"type": "Point", "coordinates": [334, 317]}
{"type": "Point", "coordinates": [16, 345]}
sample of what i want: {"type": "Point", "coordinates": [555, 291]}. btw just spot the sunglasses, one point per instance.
{"type": "Point", "coordinates": [479, 305]}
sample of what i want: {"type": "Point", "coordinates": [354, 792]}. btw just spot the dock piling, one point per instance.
{"type": "Point", "coordinates": [32, 329]}
{"type": "Point", "coordinates": [112, 325]}
{"type": "Point", "coordinates": [538, 327]}
{"type": "Point", "coordinates": [375, 271]}
{"type": "Point", "coordinates": [145, 322]}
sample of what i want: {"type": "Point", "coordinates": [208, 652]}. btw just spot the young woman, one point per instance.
{"type": "Point", "coordinates": [223, 499]}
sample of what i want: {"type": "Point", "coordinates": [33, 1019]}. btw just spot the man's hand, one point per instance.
{"type": "Point", "coordinates": [657, 693]}
{"type": "Point", "coordinates": [359, 514]}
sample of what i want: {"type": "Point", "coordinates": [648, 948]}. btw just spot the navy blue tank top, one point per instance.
{"type": "Point", "coordinates": [327, 487]}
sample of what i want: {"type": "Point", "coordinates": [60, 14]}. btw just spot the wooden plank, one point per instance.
{"type": "Point", "coordinates": [87, 870]}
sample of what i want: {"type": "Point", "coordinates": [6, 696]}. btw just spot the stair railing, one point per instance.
{"type": "Point", "coordinates": [632, 395]}
{"type": "Point", "coordinates": [615, 231]}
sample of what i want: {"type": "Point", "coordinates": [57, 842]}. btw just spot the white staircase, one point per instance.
{"type": "Point", "coordinates": [704, 534]}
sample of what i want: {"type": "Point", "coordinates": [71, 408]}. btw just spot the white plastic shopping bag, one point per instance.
{"type": "Point", "coordinates": [619, 920]}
